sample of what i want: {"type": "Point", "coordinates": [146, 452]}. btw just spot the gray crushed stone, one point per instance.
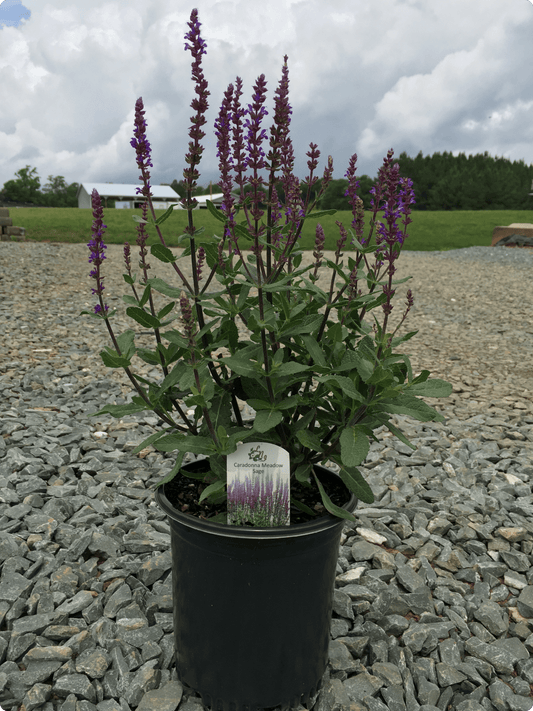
{"type": "Point", "coordinates": [433, 603]}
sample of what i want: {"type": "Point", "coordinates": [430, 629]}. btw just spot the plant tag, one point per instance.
{"type": "Point", "coordinates": [258, 485]}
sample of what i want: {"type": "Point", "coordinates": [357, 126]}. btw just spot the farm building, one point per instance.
{"type": "Point", "coordinates": [126, 196]}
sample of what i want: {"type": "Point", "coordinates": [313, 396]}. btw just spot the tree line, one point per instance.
{"type": "Point", "coordinates": [26, 189]}
{"type": "Point", "coordinates": [441, 181]}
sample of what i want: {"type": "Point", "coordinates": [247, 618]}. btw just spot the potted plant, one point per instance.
{"type": "Point", "coordinates": [248, 327]}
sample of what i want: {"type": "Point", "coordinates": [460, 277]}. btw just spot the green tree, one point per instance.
{"type": "Point", "coordinates": [55, 192]}
{"type": "Point", "coordinates": [25, 188]}
{"type": "Point", "coordinates": [334, 197]}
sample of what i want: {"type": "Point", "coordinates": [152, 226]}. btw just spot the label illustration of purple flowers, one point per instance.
{"type": "Point", "coordinates": [258, 485]}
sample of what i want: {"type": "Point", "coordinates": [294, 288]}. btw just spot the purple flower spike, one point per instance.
{"type": "Point", "coordinates": [200, 263]}
{"type": "Point", "coordinates": [97, 247]}
{"type": "Point", "coordinates": [225, 163]}
{"type": "Point", "coordinates": [188, 319]}
{"type": "Point", "coordinates": [254, 139]}
{"type": "Point", "coordinates": [142, 148]}
{"type": "Point", "coordinates": [197, 47]}
{"type": "Point", "coordinates": [279, 131]}
{"type": "Point", "coordinates": [318, 252]}
{"type": "Point", "coordinates": [240, 161]}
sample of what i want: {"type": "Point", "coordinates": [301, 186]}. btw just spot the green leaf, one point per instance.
{"type": "Point", "coordinates": [259, 404]}
{"type": "Point", "coordinates": [165, 216]}
{"type": "Point", "coordinates": [162, 253]}
{"type": "Point", "coordinates": [120, 410]}
{"type": "Point", "coordinates": [126, 343]}
{"type": "Point", "coordinates": [432, 388]}
{"type": "Point", "coordinates": [354, 446]}
{"type": "Point", "coordinates": [302, 474]}
{"type": "Point", "coordinates": [346, 385]}
{"type": "Point", "coordinates": [398, 433]}
{"type": "Point", "coordinates": [163, 288]}
{"type": "Point", "coordinates": [330, 506]}
{"type": "Point", "coordinates": [130, 300]}
{"type": "Point", "coordinates": [320, 213]}
{"type": "Point", "coordinates": [166, 310]}
{"type": "Point", "coordinates": [422, 377]}
{"type": "Point", "coordinates": [245, 290]}
{"type": "Point", "coordinates": [291, 368]}
{"type": "Point", "coordinates": [309, 440]}
{"type": "Point", "coordinates": [172, 473]}
{"type": "Point", "coordinates": [218, 214]}
{"type": "Point", "coordinates": [192, 475]}
{"type": "Point", "coordinates": [176, 338]}
{"type": "Point", "coordinates": [111, 359]}
{"type": "Point", "coordinates": [148, 356]}
{"type": "Point", "coordinates": [172, 378]}
{"type": "Point", "coordinates": [214, 488]}
{"type": "Point", "coordinates": [149, 440]}
{"type": "Point", "coordinates": [412, 406]}
{"type": "Point", "coordinates": [308, 324]}
{"type": "Point", "coordinates": [242, 365]}
{"type": "Point", "coordinates": [145, 296]}
{"type": "Point", "coordinates": [128, 279]}
{"type": "Point", "coordinates": [189, 443]}
{"type": "Point", "coordinates": [304, 421]}
{"type": "Point", "coordinates": [241, 231]}
{"type": "Point", "coordinates": [303, 508]}
{"type": "Point", "coordinates": [355, 481]}
{"type": "Point", "coordinates": [146, 320]}
{"type": "Point", "coordinates": [401, 339]}
{"type": "Point", "coordinates": [267, 419]}
{"type": "Point", "coordinates": [140, 219]}
{"type": "Point", "coordinates": [315, 351]}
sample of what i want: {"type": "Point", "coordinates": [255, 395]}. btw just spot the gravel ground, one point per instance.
{"type": "Point", "coordinates": [434, 594]}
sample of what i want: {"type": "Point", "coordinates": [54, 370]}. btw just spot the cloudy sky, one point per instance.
{"type": "Point", "coordinates": [366, 76]}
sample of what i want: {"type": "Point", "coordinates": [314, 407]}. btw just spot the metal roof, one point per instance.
{"type": "Point", "coordinates": [122, 190]}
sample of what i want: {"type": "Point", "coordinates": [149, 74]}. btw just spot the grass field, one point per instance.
{"type": "Point", "coordinates": [429, 231]}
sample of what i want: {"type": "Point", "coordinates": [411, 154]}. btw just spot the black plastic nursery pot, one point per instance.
{"type": "Point", "coordinates": [252, 606]}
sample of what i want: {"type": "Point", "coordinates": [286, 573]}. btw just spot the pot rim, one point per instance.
{"type": "Point", "coordinates": [255, 532]}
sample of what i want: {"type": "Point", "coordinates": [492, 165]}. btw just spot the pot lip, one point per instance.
{"type": "Point", "coordinates": [255, 532]}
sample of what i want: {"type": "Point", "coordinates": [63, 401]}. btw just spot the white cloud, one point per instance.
{"type": "Point", "coordinates": [365, 76]}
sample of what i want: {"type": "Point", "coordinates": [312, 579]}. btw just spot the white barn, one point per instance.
{"type": "Point", "coordinates": [125, 196]}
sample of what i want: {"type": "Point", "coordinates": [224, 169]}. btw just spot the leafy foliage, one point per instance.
{"type": "Point", "coordinates": [256, 326]}
{"type": "Point", "coordinates": [27, 189]}
{"type": "Point", "coordinates": [443, 181]}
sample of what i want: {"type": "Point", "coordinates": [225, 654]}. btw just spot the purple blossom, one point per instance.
{"type": "Point", "coordinates": [97, 247]}
{"type": "Point", "coordinates": [200, 263]}
{"type": "Point", "coordinates": [142, 149]}
{"type": "Point", "coordinates": [240, 161]}
{"type": "Point", "coordinates": [313, 154]}
{"type": "Point", "coordinates": [355, 201]}
{"type": "Point", "coordinates": [393, 196]}
{"type": "Point", "coordinates": [342, 239]}
{"type": "Point", "coordinates": [318, 252]}
{"type": "Point", "coordinates": [188, 319]}
{"type": "Point", "coordinates": [254, 139]}
{"type": "Point", "coordinates": [328, 172]}
{"type": "Point", "coordinates": [127, 257]}
{"type": "Point", "coordinates": [225, 163]}
{"type": "Point", "coordinates": [142, 236]}
{"type": "Point", "coordinates": [199, 104]}
{"type": "Point", "coordinates": [279, 131]}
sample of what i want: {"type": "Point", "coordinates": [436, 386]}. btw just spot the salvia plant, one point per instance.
{"type": "Point", "coordinates": [250, 324]}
